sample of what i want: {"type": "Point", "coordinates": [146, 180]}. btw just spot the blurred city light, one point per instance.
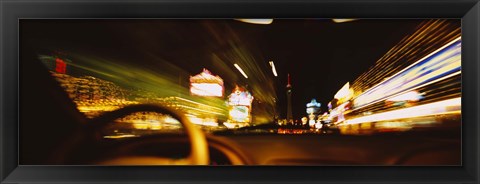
{"type": "Point", "coordinates": [418, 78]}
{"type": "Point", "coordinates": [439, 65]}
{"type": "Point", "coordinates": [274, 70]}
{"type": "Point", "coordinates": [342, 20]}
{"type": "Point", "coordinates": [343, 92]}
{"type": "Point", "coordinates": [256, 21]}
{"type": "Point", "coordinates": [430, 36]}
{"type": "Point", "coordinates": [240, 106]}
{"type": "Point", "coordinates": [408, 96]}
{"type": "Point", "coordinates": [119, 136]}
{"type": "Point", "coordinates": [241, 71]}
{"type": "Point", "coordinates": [436, 108]}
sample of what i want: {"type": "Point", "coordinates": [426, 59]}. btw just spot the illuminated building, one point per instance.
{"type": "Point", "coordinates": [92, 95]}
{"type": "Point", "coordinates": [240, 105]}
{"type": "Point", "coordinates": [206, 84]}
{"type": "Point", "coordinates": [434, 78]}
{"type": "Point", "coordinates": [340, 105]}
{"type": "Point", "coordinates": [429, 36]}
{"type": "Point", "coordinates": [313, 109]}
{"type": "Point", "coordinates": [289, 101]}
{"type": "Point", "coordinates": [418, 79]}
{"type": "Point", "coordinates": [344, 94]}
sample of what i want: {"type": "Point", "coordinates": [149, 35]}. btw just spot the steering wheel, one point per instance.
{"type": "Point", "coordinates": [198, 143]}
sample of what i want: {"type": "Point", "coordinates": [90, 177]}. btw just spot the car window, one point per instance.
{"type": "Point", "coordinates": [229, 74]}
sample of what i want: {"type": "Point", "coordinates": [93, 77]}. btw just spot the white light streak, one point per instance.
{"type": "Point", "coordinates": [415, 88]}
{"type": "Point", "coordinates": [273, 68]}
{"type": "Point", "coordinates": [256, 21]}
{"type": "Point", "coordinates": [401, 81]}
{"type": "Point", "coordinates": [343, 92]}
{"type": "Point", "coordinates": [409, 96]}
{"type": "Point", "coordinates": [376, 86]}
{"type": "Point", "coordinates": [241, 71]}
{"type": "Point", "coordinates": [342, 20]}
{"type": "Point", "coordinates": [441, 107]}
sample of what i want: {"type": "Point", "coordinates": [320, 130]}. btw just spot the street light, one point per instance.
{"type": "Point", "coordinates": [241, 71]}
{"type": "Point", "coordinates": [273, 68]}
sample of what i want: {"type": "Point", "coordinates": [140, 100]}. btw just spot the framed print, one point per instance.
{"type": "Point", "coordinates": [227, 91]}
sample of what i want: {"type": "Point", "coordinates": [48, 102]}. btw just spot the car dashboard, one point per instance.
{"type": "Point", "coordinates": [310, 149]}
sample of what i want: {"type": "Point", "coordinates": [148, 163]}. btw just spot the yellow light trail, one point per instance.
{"type": "Point", "coordinates": [119, 136]}
{"type": "Point", "coordinates": [197, 103]}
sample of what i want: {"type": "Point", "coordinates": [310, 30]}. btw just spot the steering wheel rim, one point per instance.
{"type": "Point", "coordinates": [198, 155]}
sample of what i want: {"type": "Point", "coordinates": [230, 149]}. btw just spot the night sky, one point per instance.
{"type": "Point", "coordinates": [320, 55]}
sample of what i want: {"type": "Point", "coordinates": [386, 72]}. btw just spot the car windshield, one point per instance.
{"type": "Point", "coordinates": [259, 76]}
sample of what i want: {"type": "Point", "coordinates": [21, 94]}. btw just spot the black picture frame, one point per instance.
{"type": "Point", "coordinates": [12, 11]}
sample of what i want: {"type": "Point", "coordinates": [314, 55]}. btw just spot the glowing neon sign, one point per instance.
{"type": "Point", "coordinates": [206, 84]}
{"type": "Point", "coordinates": [238, 97]}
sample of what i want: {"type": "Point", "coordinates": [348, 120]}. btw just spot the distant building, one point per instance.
{"type": "Point", "coordinates": [289, 101]}
{"type": "Point", "coordinates": [313, 107]}
{"type": "Point", "coordinates": [313, 110]}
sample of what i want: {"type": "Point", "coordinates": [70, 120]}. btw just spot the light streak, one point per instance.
{"type": "Point", "coordinates": [273, 68]}
{"type": "Point", "coordinates": [343, 92]}
{"type": "Point", "coordinates": [440, 62]}
{"type": "Point", "coordinates": [418, 61]}
{"type": "Point", "coordinates": [436, 108]}
{"type": "Point", "coordinates": [409, 96]}
{"type": "Point", "coordinates": [241, 71]}
{"type": "Point", "coordinates": [417, 87]}
{"type": "Point", "coordinates": [256, 21]}
{"type": "Point", "coordinates": [419, 44]}
{"type": "Point", "coordinates": [342, 20]}
{"type": "Point", "coordinates": [119, 136]}
{"type": "Point", "coordinates": [197, 103]}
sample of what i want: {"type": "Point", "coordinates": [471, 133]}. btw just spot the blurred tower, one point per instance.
{"type": "Point", "coordinates": [289, 101]}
